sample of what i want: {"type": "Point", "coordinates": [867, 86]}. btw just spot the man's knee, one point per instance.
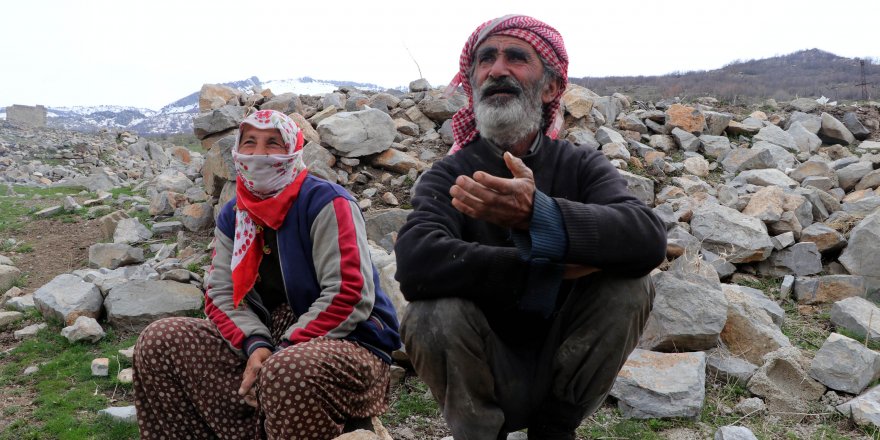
{"type": "Point", "coordinates": [435, 323]}
{"type": "Point", "coordinates": [626, 296]}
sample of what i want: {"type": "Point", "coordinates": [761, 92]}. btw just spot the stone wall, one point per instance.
{"type": "Point", "coordinates": [26, 115]}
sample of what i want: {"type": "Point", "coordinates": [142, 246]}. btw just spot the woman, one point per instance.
{"type": "Point", "coordinates": [299, 333]}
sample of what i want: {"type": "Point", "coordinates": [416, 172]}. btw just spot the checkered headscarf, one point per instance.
{"type": "Point", "coordinates": [546, 41]}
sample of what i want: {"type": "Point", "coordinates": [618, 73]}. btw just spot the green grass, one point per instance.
{"type": "Point", "coordinates": [411, 399]}
{"type": "Point", "coordinates": [67, 397]}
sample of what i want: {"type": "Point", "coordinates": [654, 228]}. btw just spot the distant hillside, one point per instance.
{"type": "Point", "coordinates": [807, 73]}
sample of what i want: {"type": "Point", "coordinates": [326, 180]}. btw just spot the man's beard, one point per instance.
{"type": "Point", "coordinates": [506, 120]}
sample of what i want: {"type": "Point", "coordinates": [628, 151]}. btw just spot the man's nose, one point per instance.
{"type": "Point", "coordinates": [499, 68]}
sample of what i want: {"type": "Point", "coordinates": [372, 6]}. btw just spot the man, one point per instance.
{"type": "Point", "coordinates": [525, 258]}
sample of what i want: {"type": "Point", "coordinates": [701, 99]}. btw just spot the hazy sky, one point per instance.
{"type": "Point", "coordinates": [151, 53]}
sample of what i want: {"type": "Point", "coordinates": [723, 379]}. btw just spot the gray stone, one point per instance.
{"type": "Point", "coordinates": [662, 142]}
{"type": "Point", "coordinates": [126, 414]}
{"type": "Point", "coordinates": [766, 177]}
{"type": "Point", "coordinates": [70, 204]}
{"type": "Point", "coordinates": [741, 159]}
{"type": "Point", "coordinates": [178, 275]}
{"type": "Point", "coordinates": [777, 136]}
{"type": "Point", "coordinates": [752, 405]}
{"type": "Point", "coordinates": [782, 158]}
{"type": "Point", "coordinates": [757, 298]}
{"type": "Point", "coordinates": [782, 381]}
{"type": "Point", "coordinates": [864, 409]}
{"type": "Point", "coordinates": [171, 180]}
{"type": "Point", "coordinates": [68, 297]}
{"type": "Point", "coordinates": [850, 175]}
{"type": "Point", "coordinates": [108, 224]}
{"type": "Point", "coordinates": [697, 166]}
{"type": "Point", "coordinates": [689, 311]}
{"type": "Point", "coordinates": [29, 331]}
{"type": "Point", "coordinates": [609, 107]}
{"type": "Point", "coordinates": [7, 318]}
{"type": "Point", "coordinates": [734, 433]}
{"type": "Point", "coordinates": [783, 240]}
{"type": "Point", "coordinates": [715, 146]}
{"type": "Point", "coordinates": [748, 127]}
{"type": "Point", "coordinates": [606, 135]}
{"type": "Point", "coordinates": [9, 275]}
{"type": "Point", "coordinates": [767, 204]}
{"type": "Point", "coordinates": [131, 231]}
{"type": "Point", "coordinates": [113, 255]}
{"type": "Point", "coordinates": [384, 221]}
{"type": "Point", "coordinates": [857, 315]}
{"type": "Point", "coordinates": [419, 85]}
{"type": "Point", "coordinates": [800, 259]}
{"type": "Point", "coordinates": [862, 207]}
{"type": "Point", "coordinates": [805, 140]}
{"type": "Point", "coordinates": [661, 385]}
{"type": "Point", "coordinates": [640, 187]}
{"type": "Point", "coordinates": [616, 151]}
{"type": "Point", "coordinates": [83, 329]}
{"type": "Point", "coordinates": [171, 227]}
{"type": "Point", "coordinates": [812, 123]}
{"type": "Point", "coordinates": [852, 123]}
{"type": "Point", "coordinates": [805, 105]}
{"type": "Point", "coordinates": [395, 160]}
{"type": "Point", "coordinates": [736, 237]}
{"type": "Point", "coordinates": [749, 331]}
{"type": "Point", "coordinates": [834, 132]}
{"type": "Point", "coordinates": [196, 217]}
{"type": "Point", "coordinates": [441, 109]}
{"type": "Point", "coordinates": [844, 364]}
{"type": "Point", "coordinates": [215, 121]}
{"type": "Point", "coordinates": [583, 137]}
{"type": "Point", "coordinates": [137, 303]}
{"type": "Point", "coordinates": [716, 122]}
{"type": "Point", "coordinates": [632, 123]}
{"type": "Point", "coordinates": [22, 303]}
{"type": "Point", "coordinates": [825, 237]}
{"type": "Point", "coordinates": [859, 257]}
{"type": "Point", "coordinates": [360, 133]}
{"type": "Point", "coordinates": [869, 181]}
{"type": "Point", "coordinates": [724, 366]}
{"type": "Point", "coordinates": [685, 140]}
{"type": "Point", "coordinates": [101, 367]}
{"type": "Point", "coordinates": [48, 212]}
{"type": "Point", "coordinates": [828, 289]}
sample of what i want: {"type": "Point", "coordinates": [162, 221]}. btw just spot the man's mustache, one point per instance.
{"type": "Point", "coordinates": [501, 85]}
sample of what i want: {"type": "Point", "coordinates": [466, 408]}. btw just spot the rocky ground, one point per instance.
{"type": "Point", "coordinates": [765, 321]}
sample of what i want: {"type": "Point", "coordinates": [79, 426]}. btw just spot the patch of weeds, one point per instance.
{"type": "Point", "coordinates": [412, 398]}
{"type": "Point", "coordinates": [24, 248]}
{"type": "Point", "coordinates": [123, 191]}
{"type": "Point", "coordinates": [769, 285]}
{"type": "Point", "coordinates": [873, 345]}
{"type": "Point", "coordinates": [56, 192]}
{"type": "Point", "coordinates": [21, 281]}
{"type": "Point", "coordinates": [607, 422]}
{"type": "Point", "coordinates": [67, 397]}
{"type": "Point", "coordinates": [13, 213]}
{"type": "Point", "coordinates": [807, 331]}
{"type": "Point", "coordinates": [196, 268]}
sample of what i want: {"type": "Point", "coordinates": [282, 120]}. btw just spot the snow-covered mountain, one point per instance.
{"type": "Point", "coordinates": [177, 116]}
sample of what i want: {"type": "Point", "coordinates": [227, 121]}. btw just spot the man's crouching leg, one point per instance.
{"type": "Point", "coordinates": [597, 328]}
{"type": "Point", "coordinates": [448, 342]}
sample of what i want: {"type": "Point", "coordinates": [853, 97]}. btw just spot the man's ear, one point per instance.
{"type": "Point", "coordinates": [551, 89]}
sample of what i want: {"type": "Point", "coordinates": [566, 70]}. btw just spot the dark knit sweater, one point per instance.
{"type": "Point", "coordinates": [444, 253]}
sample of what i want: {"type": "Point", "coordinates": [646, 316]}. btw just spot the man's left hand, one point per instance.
{"type": "Point", "coordinates": [504, 202]}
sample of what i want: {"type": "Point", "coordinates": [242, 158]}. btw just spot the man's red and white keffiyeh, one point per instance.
{"type": "Point", "coordinates": [546, 41]}
{"type": "Point", "coordinates": [266, 187]}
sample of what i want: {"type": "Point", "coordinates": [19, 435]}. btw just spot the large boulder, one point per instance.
{"type": "Point", "coordinates": [727, 232]}
{"type": "Point", "coordinates": [8, 276]}
{"type": "Point", "coordinates": [834, 132]}
{"type": "Point", "coordinates": [131, 231]}
{"type": "Point", "coordinates": [215, 121]}
{"type": "Point", "coordinates": [68, 297]}
{"type": "Point", "coordinates": [749, 330]}
{"type": "Point", "coordinates": [858, 316]}
{"type": "Point", "coordinates": [844, 364]}
{"type": "Point", "coordinates": [135, 304]}
{"type": "Point", "coordinates": [686, 118]}
{"type": "Point", "coordinates": [865, 409]}
{"type": "Point", "coordinates": [777, 136]}
{"type": "Point", "coordinates": [661, 385]}
{"type": "Point", "coordinates": [355, 134]}
{"type": "Point", "coordinates": [858, 257]}
{"type": "Point", "coordinates": [784, 384]}
{"type": "Point", "coordinates": [828, 289]}
{"type": "Point", "coordinates": [113, 255]}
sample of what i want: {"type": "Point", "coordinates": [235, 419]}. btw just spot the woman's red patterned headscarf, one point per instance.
{"type": "Point", "coordinates": [546, 41]}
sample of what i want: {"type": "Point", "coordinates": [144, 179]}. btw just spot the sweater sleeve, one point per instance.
{"type": "Point", "coordinates": [608, 227]}
{"type": "Point", "coordinates": [434, 261]}
{"type": "Point", "coordinates": [344, 270]}
{"type": "Point", "coordinates": [240, 327]}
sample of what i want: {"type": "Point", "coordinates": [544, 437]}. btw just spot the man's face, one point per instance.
{"type": "Point", "coordinates": [502, 56]}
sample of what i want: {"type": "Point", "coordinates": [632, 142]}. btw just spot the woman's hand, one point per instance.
{"type": "Point", "coordinates": [251, 373]}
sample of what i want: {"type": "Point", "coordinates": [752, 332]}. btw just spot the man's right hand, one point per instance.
{"type": "Point", "coordinates": [251, 373]}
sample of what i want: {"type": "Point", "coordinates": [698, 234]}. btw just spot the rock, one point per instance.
{"type": "Point", "coordinates": [661, 385]}
{"type": "Point", "coordinates": [214, 96]}
{"type": "Point", "coordinates": [697, 166]}
{"type": "Point", "coordinates": [850, 175]}
{"type": "Point", "coordinates": [360, 434]}
{"type": "Point", "coordinates": [752, 405]}
{"type": "Point", "coordinates": [390, 199]}
{"type": "Point", "coordinates": [749, 331]}
{"type": "Point", "coordinates": [171, 180]}
{"type": "Point", "coordinates": [748, 127]}
{"type": "Point", "coordinates": [813, 168]}
{"type": "Point", "coordinates": [864, 409]}
{"type": "Point", "coordinates": [844, 364]}
{"type": "Point", "coordinates": [741, 159]}
{"type": "Point", "coordinates": [9, 275]}
{"type": "Point", "coordinates": [782, 158]}
{"type": "Point", "coordinates": [767, 204]}
{"type": "Point", "coordinates": [766, 177]}
{"type": "Point", "coordinates": [70, 204]}
{"type": "Point", "coordinates": [196, 217]}
{"type": "Point", "coordinates": [215, 121]}
{"type": "Point", "coordinates": [724, 231]}
{"type": "Point", "coordinates": [137, 303]}
{"type": "Point", "coordinates": [162, 228]}
{"type": "Point", "coordinates": [609, 107]}
{"type": "Point", "coordinates": [834, 132]}
{"type": "Point", "coordinates": [734, 433]}
{"type": "Point", "coordinates": [359, 133]}
{"type": "Point", "coordinates": [689, 312]}
{"type": "Point", "coordinates": [640, 187]}
{"type": "Point", "coordinates": [419, 85]}
{"type": "Point", "coordinates": [100, 367]}
{"type": "Point", "coordinates": [48, 212]}
{"type": "Point", "coordinates": [126, 414]}
{"type": "Point", "coordinates": [398, 161]}
{"type": "Point", "coordinates": [22, 303]}
{"type": "Point", "coordinates": [68, 297]}
{"type": "Point", "coordinates": [715, 146]}
{"type": "Point", "coordinates": [828, 289]}
{"type": "Point", "coordinates": [662, 142]}
{"type": "Point", "coordinates": [179, 275]}
{"type": "Point", "coordinates": [857, 315]}
{"type": "Point", "coordinates": [759, 299]}
{"type": "Point", "coordinates": [84, 328]}
{"type": "Point", "coordinates": [29, 331]}
{"type": "Point", "coordinates": [632, 123]}
{"type": "Point", "coordinates": [126, 375]}
{"type": "Point", "coordinates": [406, 127]}
{"type": "Point", "coordinates": [578, 101]}
{"type": "Point", "coordinates": [686, 118]}
{"type": "Point", "coordinates": [131, 231]}
{"type": "Point", "coordinates": [384, 221]}
{"type": "Point", "coordinates": [127, 353]}
{"type": "Point", "coordinates": [805, 140]}
{"type": "Point", "coordinates": [607, 135]}
{"type": "Point", "coordinates": [800, 259]}
{"type": "Point", "coordinates": [441, 109]}
{"type": "Point", "coordinates": [777, 136]}
{"type": "Point", "coordinates": [616, 151]}
{"type": "Point", "coordinates": [685, 140]}
{"type": "Point", "coordinates": [108, 224]}
{"type": "Point", "coordinates": [724, 366]}
{"type": "Point", "coordinates": [7, 318]}
{"type": "Point", "coordinates": [782, 381]}
{"type": "Point", "coordinates": [852, 123]}
{"type": "Point", "coordinates": [716, 122]}
{"type": "Point", "coordinates": [805, 105]}
{"type": "Point", "coordinates": [858, 257]}
{"type": "Point", "coordinates": [114, 255]}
